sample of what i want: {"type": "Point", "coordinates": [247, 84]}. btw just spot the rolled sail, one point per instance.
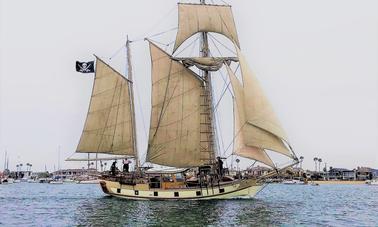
{"type": "Point", "coordinates": [206, 63]}
{"type": "Point", "coordinates": [174, 138]}
{"type": "Point", "coordinates": [252, 138]}
{"type": "Point", "coordinates": [195, 18]}
{"type": "Point", "coordinates": [108, 127]}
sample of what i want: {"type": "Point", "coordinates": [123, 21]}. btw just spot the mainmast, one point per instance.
{"type": "Point", "coordinates": [207, 118]}
{"type": "Point", "coordinates": [131, 90]}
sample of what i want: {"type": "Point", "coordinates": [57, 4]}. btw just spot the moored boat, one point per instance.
{"type": "Point", "coordinates": [373, 182]}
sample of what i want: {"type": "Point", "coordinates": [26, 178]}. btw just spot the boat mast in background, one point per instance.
{"type": "Point", "coordinates": [5, 160]}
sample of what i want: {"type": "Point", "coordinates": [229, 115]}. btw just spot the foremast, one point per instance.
{"type": "Point", "coordinates": [132, 106]}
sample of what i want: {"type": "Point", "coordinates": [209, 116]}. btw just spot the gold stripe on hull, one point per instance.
{"type": "Point", "coordinates": [237, 189]}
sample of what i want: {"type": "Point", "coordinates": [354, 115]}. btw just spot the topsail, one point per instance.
{"type": "Point", "coordinates": [194, 18]}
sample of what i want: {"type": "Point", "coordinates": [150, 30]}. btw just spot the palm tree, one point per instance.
{"type": "Point", "coordinates": [301, 158]}
{"type": "Point", "coordinates": [319, 160]}
{"type": "Point", "coordinates": [315, 160]}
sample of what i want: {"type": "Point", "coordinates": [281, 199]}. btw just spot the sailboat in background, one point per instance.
{"type": "Point", "coordinates": [182, 132]}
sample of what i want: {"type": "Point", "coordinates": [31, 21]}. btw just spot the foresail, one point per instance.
{"type": "Point", "coordinates": [108, 127]}
{"type": "Point", "coordinates": [195, 18]}
{"type": "Point", "coordinates": [174, 138]}
{"type": "Point", "coordinates": [254, 138]}
{"type": "Point", "coordinates": [259, 111]}
{"type": "Point", "coordinates": [240, 147]}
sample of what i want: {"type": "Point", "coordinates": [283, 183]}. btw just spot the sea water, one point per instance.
{"type": "Point", "coordinates": [27, 204]}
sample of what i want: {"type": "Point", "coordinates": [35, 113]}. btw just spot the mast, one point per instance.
{"type": "Point", "coordinates": [131, 90]}
{"type": "Point", "coordinates": [5, 160]}
{"type": "Point", "coordinates": [207, 124]}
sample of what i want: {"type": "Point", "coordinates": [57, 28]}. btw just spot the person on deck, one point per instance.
{"type": "Point", "coordinates": [220, 166]}
{"type": "Point", "coordinates": [126, 163]}
{"type": "Point", "coordinates": [113, 168]}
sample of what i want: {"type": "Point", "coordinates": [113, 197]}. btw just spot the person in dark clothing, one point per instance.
{"type": "Point", "coordinates": [220, 166]}
{"type": "Point", "coordinates": [113, 168]}
{"type": "Point", "coordinates": [126, 165]}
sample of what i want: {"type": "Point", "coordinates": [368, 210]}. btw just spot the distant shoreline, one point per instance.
{"type": "Point", "coordinates": [340, 182]}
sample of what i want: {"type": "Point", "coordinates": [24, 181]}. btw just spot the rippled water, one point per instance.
{"type": "Point", "coordinates": [283, 205]}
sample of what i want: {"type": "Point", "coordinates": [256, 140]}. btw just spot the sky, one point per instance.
{"type": "Point", "coordinates": [316, 60]}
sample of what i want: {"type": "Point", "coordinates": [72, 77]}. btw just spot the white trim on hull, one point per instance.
{"type": "Point", "coordinates": [238, 189]}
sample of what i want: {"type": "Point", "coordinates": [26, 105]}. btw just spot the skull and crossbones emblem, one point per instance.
{"type": "Point", "coordinates": [84, 67]}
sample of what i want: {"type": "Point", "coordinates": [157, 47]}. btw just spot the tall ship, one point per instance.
{"type": "Point", "coordinates": [183, 134]}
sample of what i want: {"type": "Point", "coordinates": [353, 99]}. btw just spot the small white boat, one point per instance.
{"type": "Point", "coordinates": [17, 181]}
{"type": "Point", "coordinates": [373, 182]}
{"type": "Point", "coordinates": [7, 181]}
{"type": "Point", "coordinates": [69, 181]}
{"type": "Point", "coordinates": [56, 182]}
{"type": "Point", "coordinates": [292, 182]}
{"type": "Point", "coordinates": [95, 181]}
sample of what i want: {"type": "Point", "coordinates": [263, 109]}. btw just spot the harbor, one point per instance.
{"type": "Point", "coordinates": [188, 113]}
{"type": "Point", "coordinates": [276, 205]}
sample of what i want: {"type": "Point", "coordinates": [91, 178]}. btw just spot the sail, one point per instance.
{"type": "Point", "coordinates": [175, 116]}
{"type": "Point", "coordinates": [240, 147]}
{"type": "Point", "coordinates": [195, 18]}
{"type": "Point", "coordinates": [206, 63]}
{"type": "Point", "coordinates": [108, 127]}
{"type": "Point", "coordinates": [250, 135]}
{"type": "Point", "coordinates": [259, 111]}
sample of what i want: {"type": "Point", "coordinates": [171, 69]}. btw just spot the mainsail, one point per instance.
{"type": "Point", "coordinates": [108, 127]}
{"type": "Point", "coordinates": [174, 138]}
{"type": "Point", "coordinates": [255, 121]}
{"type": "Point", "coordinates": [194, 18]}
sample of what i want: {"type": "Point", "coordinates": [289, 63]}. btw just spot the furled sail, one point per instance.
{"type": "Point", "coordinates": [206, 63]}
{"type": "Point", "coordinates": [108, 127]}
{"type": "Point", "coordinates": [257, 125]}
{"type": "Point", "coordinates": [174, 138]}
{"type": "Point", "coordinates": [195, 18]}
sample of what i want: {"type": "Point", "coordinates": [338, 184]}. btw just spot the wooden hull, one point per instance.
{"type": "Point", "coordinates": [235, 189]}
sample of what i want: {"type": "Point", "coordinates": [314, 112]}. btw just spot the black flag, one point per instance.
{"type": "Point", "coordinates": [85, 67]}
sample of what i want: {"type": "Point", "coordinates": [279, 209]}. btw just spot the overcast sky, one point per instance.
{"type": "Point", "coordinates": [316, 60]}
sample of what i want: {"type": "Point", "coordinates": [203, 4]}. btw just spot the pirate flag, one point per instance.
{"type": "Point", "coordinates": [85, 67]}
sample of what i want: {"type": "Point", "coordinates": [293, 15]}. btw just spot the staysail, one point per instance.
{"type": "Point", "coordinates": [108, 127]}
{"type": "Point", "coordinates": [194, 18]}
{"type": "Point", "coordinates": [174, 138]}
{"type": "Point", "coordinates": [256, 123]}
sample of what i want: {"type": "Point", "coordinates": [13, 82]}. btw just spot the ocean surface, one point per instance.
{"type": "Point", "coordinates": [27, 204]}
